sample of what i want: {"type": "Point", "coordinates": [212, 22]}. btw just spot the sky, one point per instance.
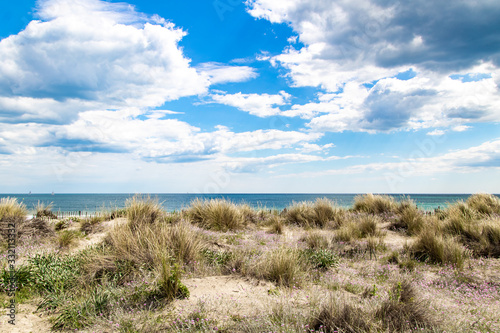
{"type": "Point", "coordinates": [256, 96]}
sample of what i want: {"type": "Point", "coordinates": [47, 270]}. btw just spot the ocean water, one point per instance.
{"type": "Point", "coordinates": [177, 201]}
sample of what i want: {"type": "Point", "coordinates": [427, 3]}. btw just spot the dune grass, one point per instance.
{"type": "Point", "coordinates": [217, 214]}
{"type": "Point", "coordinates": [126, 282]}
{"type": "Point", "coordinates": [374, 204]}
{"type": "Point", "coordinates": [10, 208]}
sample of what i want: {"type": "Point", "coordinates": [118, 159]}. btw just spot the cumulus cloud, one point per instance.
{"type": "Point", "coordinates": [84, 54]}
{"type": "Point", "coordinates": [416, 64]}
{"type": "Point", "coordinates": [260, 105]}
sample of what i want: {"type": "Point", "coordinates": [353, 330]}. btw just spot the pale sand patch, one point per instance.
{"type": "Point", "coordinates": [225, 296]}
{"type": "Point", "coordinates": [26, 321]}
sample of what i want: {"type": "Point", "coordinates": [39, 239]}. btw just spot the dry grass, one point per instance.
{"type": "Point", "coordinates": [322, 213]}
{"type": "Point", "coordinates": [439, 249]}
{"type": "Point", "coordinates": [410, 218]}
{"type": "Point", "coordinates": [404, 310]}
{"type": "Point", "coordinates": [284, 266]}
{"type": "Point", "coordinates": [340, 315]}
{"type": "Point", "coordinates": [276, 224]}
{"type": "Point", "coordinates": [143, 210]}
{"type": "Point", "coordinates": [44, 210]}
{"type": "Point", "coordinates": [300, 214]}
{"type": "Point", "coordinates": [216, 214]}
{"type": "Point", "coordinates": [149, 243]}
{"type": "Point", "coordinates": [374, 204]}
{"type": "Point", "coordinates": [316, 240]}
{"type": "Point", "coordinates": [484, 203]}
{"type": "Point", "coordinates": [9, 207]}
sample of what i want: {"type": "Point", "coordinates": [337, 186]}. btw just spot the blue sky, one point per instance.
{"type": "Point", "coordinates": [233, 96]}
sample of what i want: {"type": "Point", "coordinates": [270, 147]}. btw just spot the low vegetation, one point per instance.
{"type": "Point", "coordinates": [380, 266]}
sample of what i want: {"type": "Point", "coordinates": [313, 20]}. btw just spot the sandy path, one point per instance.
{"type": "Point", "coordinates": [26, 321]}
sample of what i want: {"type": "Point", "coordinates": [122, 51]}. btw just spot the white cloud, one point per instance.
{"type": "Point", "coordinates": [260, 105]}
{"type": "Point", "coordinates": [220, 73]}
{"type": "Point", "coordinates": [474, 159]}
{"type": "Point", "coordinates": [436, 132]}
{"type": "Point", "coordinates": [351, 46]}
{"type": "Point", "coordinates": [92, 54]}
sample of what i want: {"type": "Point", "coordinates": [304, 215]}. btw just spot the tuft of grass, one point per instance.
{"type": "Point", "coordinates": [89, 226]}
{"type": "Point", "coordinates": [410, 218]}
{"type": "Point", "coordinates": [404, 311]}
{"type": "Point", "coordinates": [321, 258]}
{"type": "Point", "coordinates": [9, 207]}
{"type": "Point", "coordinates": [148, 243]}
{"type": "Point", "coordinates": [216, 214]}
{"type": "Point", "coordinates": [341, 316]}
{"type": "Point", "coordinates": [484, 203]}
{"type": "Point", "coordinates": [438, 249]}
{"type": "Point", "coordinates": [66, 238]}
{"type": "Point", "coordinates": [170, 283]}
{"type": "Point", "coordinates": [374, 204]}
{"type": "Point", "coordinates": [348, 231]}
{"type": "Point", "coordinates": [368, 226]}
{"type": "Point", "coordinates": [142, 210]}
{"type": "Point", "coordinates": [301, 214]}
{"type": "Point", "coordinates": [44, 210]}
{"type": "Point", "coordinates": [325, 213]}
{"type": "Point", "coordinates": [316, 240]}
{"type": "Point", "coordinates": [283, 266]}
{"type": "Point", "coordinates": [276, 224]}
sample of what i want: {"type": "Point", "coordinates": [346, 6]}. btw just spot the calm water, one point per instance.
{"type": "Point", "coordinates": [96, 202]}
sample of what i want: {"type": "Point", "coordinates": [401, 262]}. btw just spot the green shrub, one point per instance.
{"type": "Point", "coordinates": [170, 284]}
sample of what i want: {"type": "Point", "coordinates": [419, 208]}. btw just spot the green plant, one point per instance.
{"type": "Point", "coordinates": [438, 249]}
{"type": "Point", "coordinates": [66, 238]}
{"type": "Point", "coordinates": [60, 225]}
{"type": "Point", "coordinates": [170, 284]}
{"type": "Point", "coordinates": [284, 266]}
{"type": "Point", "coordinates": [321, 258]}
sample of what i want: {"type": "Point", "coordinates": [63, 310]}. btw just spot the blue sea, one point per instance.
{"type": "Point", "coordinates": [176, 201]}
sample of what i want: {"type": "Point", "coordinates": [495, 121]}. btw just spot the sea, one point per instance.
{"type": "Point", "coordinates": [99, 202]}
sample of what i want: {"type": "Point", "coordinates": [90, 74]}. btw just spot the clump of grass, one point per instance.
{"type": "Point", "coordinates": [276, 224]}
{"type": "Point", "coordinates": [410, 218]}
{"type": "Point", "coordinates": [342, 316]}
{"type": "Point", "coordinates": [368, 226]}
{"type": "Point", "coordinates": [60, 225]}
{"type": "Point", "coordinates": [11, 212]}
{"type": "Point", "coordinates": [347, 232]}
{"type": "Point", "coordinates": [216, 214]}
{"type": "Point", "coordinates": [249, 215]}
{"type": "Point", "coordinates": [301, 214]}
{"type": "Point", "coordinates": [44, 210]}
{"type": "Point", "coordinates": [148, 243]}
{"type": "Point", "coordinates": [66, 238]}
{"type": "Point", "coordinates": [325, 213]}
{"type": "Point", "coordinates": [484, 203]}
{"type": "Point", "coordinates": [143, 210]}
{"type": "Point", "coordinates": [404, 311]}
{"type": "Point", "coordinates": [89, 226]}
{"type": "Point", "coordinates": [170, 282]}
{"type": "Point", "coordinates": [321, 258]}
{"type": "Point", "coordinates": [316, 240]}
{"type": "Point", "coordinates": [284, 266]}
{"type": "Point", "coordinates": [438, 249]}
{"type": "Point", "coordinates": [374, 204]}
